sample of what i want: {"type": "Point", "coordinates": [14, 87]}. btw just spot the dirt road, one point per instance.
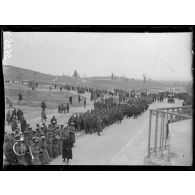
{"type": "Point", "coordinates": [33, 115]}
{"type": "Point", "coordinates": [119, 144]}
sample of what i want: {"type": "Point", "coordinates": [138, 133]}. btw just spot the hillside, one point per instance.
{"type": "Point", "coordinates": [16, 73]}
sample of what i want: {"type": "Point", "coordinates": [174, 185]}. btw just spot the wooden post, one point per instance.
{"type": "Point", "coordinates": [163, 125]}
{"type": "Point", "coordinates": [161, 114]}
{"type": "Point", "coordinates": [156, 134]}
{"type": "Point", "coordinates": [149, 133]}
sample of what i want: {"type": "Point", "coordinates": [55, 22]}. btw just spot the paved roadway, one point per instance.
{"type": "Point", "coordinates": [119, 144]}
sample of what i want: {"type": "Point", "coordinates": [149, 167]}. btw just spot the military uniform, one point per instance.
{"type": "Point", "coordinates": [50, 144]}
{"type": "Point", "coordinates": [8, 152]}
{"type": "Point", "coordinates": [36, 152]}
{"type": "Point", "coordinates": [14, 125]}
{"type": "Point", "coordinates": [72, 134]}
{"type": "Point", "coordinates": [45, 156]}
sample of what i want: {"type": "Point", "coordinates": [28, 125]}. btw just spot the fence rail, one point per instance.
{"type": "Point", "coordinates": [158, 133]}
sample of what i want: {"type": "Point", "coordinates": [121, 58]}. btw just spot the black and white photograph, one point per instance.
{"type": "Point", "coordinates": [96, 97]}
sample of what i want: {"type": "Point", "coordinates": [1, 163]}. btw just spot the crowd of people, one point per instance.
{"type": "Point", "coordinates": [106, 113]}
{"type": "Point", "coordinates": [28, 146]}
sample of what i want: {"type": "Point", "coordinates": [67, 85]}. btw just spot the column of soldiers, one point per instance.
{"type": "Point", "coordinates": [106, 113]}
{"type": "Point", "coordinates": [36, 146]}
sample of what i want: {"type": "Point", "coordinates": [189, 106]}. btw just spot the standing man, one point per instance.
{"type": "Point", "coordinates": [79, 98]}
{"type": "Point", "coordinates": [54, 121]}
{"type": "Point", "coordinates": [43, 105]}
{"type": "Point", "coordinates": [23, 124]}
{"type": "Point", "coordinates": [85, 102]}
{"type": "Point", "coordinates": [67, 107]}
{"type": "Point", "coordinates": [45, 155]}
{"type": "Point", "coordinates": [19, 114]}
{"type": "Point", "coordinates": [72, 133]}
{"type": "Point", "coordinates": [8, 117]}
{"type": "Point", "coordinates": [70, 100]}
{"type": "Point", "coordinates": [43, 116]}
{"type": "Point", "coordinates": [67, 145]}
{"type": "Point", "coordinates": [35, 149]}
{"type": "Point", "coordinates": [14, 124]}
{"type": "Point", "coordinates": [20, 97]}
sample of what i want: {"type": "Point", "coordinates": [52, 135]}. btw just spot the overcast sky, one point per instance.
{"type": "Point", "coordinates": [161, 56]}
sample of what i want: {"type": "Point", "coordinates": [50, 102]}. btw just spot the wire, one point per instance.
{"type": "Point", "coordinates": [167, 64]}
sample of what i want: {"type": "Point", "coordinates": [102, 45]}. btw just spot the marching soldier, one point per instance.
{"type": "Point", "coordinates": [36, 151]}
{"type": "Point", "coordinates": [27, 143]}
{"type": "Point", "coordinates": [72, 133]}
{"type": "Point", "coordinates": [59, 138]}
{"type": "Point", "coordinates": [14, 124]}
{"type": "Point", "coordinates": [67, 107]}
{"type": "Point", "coordinates": [44, 128]}
{"type": "Point", "coordinates": [19, 114]}
{"type": "Point", "coordinates": [8, 117]}
{"type": "Point", "coordinates": [50, 144]}
{"type": "Point", "coordinates": [23, 124]}
{"type": "Point", "coordinates": [45, 156]}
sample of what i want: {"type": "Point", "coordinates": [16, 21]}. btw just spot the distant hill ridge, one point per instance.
{"type": "Point", "coordinates": [16, 73]}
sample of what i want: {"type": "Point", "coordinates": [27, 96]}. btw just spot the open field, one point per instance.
{"type": "Point", "coordinates": [33, 114]}
{"type": "Point", "coordinates": [34, 98]}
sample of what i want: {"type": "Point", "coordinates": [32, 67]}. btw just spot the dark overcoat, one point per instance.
{"type": "Point", "coordinates": [67, 145]}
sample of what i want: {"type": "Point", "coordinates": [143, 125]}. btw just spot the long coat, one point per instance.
{"type": "Point", "coordinates": [67, 145]}
{"type": "Point", "coordinates": [45, 156]}
{"type": "Point", "coordinates": [23, 125]}
{"type": "Point", "coordinates": [14, 125]}
{"type": "Point", "coordinates": [72, 135]}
